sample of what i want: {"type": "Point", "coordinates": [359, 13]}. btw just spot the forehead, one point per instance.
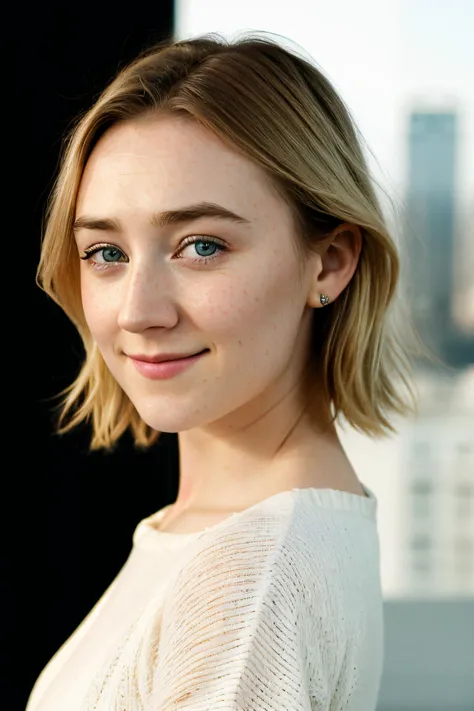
{"type": "Point", "coordinates": [173, 160]}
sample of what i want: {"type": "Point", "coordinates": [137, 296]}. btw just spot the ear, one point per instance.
{"type": "Point", "coordinates": [335, 264]}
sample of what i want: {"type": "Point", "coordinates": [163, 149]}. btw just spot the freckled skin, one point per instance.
{"type": "Point", "coordinates": [235, 406]}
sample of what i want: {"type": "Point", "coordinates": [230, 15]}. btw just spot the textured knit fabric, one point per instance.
{"type": "Point", "coordinates": [276, 608]}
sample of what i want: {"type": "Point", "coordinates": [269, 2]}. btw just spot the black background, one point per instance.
{"type": "Point", "coordinates": [71, 514]}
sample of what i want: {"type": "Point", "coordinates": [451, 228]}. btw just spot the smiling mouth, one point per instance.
{"type": "Point", "coordinates": [168, 360]}
{"type": "Point", "coordinates": [164, 369]}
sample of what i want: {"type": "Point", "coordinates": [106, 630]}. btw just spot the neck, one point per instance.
{"type": "Point", "coordinates": [279, 442]}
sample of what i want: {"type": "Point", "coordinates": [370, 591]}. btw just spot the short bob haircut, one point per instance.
{"type": "Point", "coordinates": [280, 112]}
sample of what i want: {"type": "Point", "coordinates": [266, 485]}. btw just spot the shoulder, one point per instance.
{"type": "Point", "coordinates": [298, 541]}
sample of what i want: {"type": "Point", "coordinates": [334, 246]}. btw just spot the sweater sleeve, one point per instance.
{"type": "Point", "coordinates": [234, 630]}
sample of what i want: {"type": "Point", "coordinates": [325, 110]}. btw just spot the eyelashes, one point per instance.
{"type": "Point", "coordinates": [112, 255]}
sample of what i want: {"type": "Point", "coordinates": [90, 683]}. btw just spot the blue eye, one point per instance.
{"type": "Point", "coordinates": [209, 243]}
{"type": "Point", "coordinates": [110, 254]}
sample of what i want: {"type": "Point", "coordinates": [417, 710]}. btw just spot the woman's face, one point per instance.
{"type": "Point", "coordinates": [234, 291]}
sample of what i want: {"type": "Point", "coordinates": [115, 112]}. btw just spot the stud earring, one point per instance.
{"type": "Point", "coordinates": [324, 299]}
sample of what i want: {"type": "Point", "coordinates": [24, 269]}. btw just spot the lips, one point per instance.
{"type": "Point", "coordinates": [164, 369]}
{"type": "Point", "coordinates": [165, 358]}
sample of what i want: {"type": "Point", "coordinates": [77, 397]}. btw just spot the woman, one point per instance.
{"type": "Point", "coordinates": [215, 237]}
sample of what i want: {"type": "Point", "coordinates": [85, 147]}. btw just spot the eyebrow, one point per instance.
{"type": "Point", "coordinates": [166, 218]}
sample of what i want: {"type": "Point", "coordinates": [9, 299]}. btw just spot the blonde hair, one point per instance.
{"type": "Point", "coordinates": [282, 113]}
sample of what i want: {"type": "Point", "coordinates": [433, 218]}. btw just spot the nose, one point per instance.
{"type": "Point", "coordinates": [145, 300]}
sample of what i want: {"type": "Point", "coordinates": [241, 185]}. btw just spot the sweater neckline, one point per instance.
{"type": "Point", "coordinates": [333, 499]}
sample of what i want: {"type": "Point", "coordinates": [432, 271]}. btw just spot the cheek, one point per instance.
{"type": "Point", "coordinates": [99, 308]}
{"type": "Point", "coordinates": [254, 310]}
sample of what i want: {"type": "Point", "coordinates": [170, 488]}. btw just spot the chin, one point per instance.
{"type": "Point", "coordinates": [162, 416]}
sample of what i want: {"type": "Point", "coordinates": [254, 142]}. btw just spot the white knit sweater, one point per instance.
{"type": "Point", "coordinates": [278, 607]}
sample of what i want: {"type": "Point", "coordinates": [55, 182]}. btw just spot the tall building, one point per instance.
{"type": "Point", "coordinates": [464, 272]}
{"type": "Point", "coordinates": [429, 235]}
